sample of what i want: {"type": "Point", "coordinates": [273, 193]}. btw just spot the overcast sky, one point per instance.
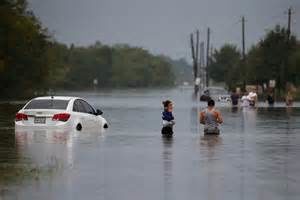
{"type": "Point", "coordinates": [162, 26]}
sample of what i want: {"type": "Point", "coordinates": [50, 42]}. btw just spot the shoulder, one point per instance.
{"type": "Point", "coordinates": [202, 113]}
{"type": "Point", "coordinates": [216, 111]}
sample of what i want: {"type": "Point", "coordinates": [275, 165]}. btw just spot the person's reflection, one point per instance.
{"type": "Point", "coordinates": [167, 165]}
{"type": "Point", "coordinates": [234, 109]}
{"type": "Point", "coordinates": [248, 126]}
{"type": "Point", "coordinates": [194, 128]}
{"type": "Point", "coordinates": [289, 111]}
{"type": "Point", "coordinates": [249, 119]}
{"type": "Point", "coordinates": [209, 144]}
{"type": "Point", "coordinates": [289, 122]}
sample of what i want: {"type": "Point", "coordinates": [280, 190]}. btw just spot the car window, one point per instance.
{"type": "Point", "coordinates": [78, 107]}
{"type": "Point", "coordinates": [47, 104]}
{"type": "Point", "coordinates": [87, 107]}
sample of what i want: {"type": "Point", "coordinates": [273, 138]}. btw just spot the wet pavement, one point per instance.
{"type": "Point", "coordinates": [255, 157]}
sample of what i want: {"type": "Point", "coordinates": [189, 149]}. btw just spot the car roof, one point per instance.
{"type": "Point", "coordinates": [67, 98]}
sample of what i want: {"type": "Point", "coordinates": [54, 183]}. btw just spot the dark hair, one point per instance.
{"type": "Point", "coordinates": [211, 102]}
{"type": "Point", "coordinates": [166, 103]}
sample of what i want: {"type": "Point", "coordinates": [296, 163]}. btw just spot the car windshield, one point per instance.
{"type": "Point", "coordinates": [48, 104]}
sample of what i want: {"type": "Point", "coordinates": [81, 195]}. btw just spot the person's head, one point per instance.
{"type": "Point", "coordinates": [168, 105]}
{"type": "Point", "coordinates": [210, 103]}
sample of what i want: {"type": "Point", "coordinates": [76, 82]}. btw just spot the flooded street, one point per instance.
{"type": "Point", "coordinates": [255, 157]}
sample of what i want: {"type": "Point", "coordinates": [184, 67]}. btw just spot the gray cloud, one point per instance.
{"type": "Point", "coordinates": [162, 26]}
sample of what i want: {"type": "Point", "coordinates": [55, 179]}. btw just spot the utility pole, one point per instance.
{"type": "Point", "coordinates": [243, 53]}
{"type": "Point", "coordinates": [243, 39]}
{"type": "Point", "coordinates": [202, 66]}
{"type": "Point", "coordinates": [289, 23]}
{"type": "Point", "coordinates": [207, 55]}
{"type": "Point", "coordinates": [197, 51]}
{"type": "Point", "coordinates": [283, 74]}
{"type": "Point", "coordinates": [195, 57]}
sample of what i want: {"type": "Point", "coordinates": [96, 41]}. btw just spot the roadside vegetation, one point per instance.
{"type": "Point", "coordinates": [275, 57]}
{"type": "Point", "coordinates": [32, 61]}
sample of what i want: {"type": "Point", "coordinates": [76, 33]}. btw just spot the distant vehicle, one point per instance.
{"type": "Point", "coordinates": [224, 98]}
{"type": "Point", "coordinates": [215, 93]}
{"type": "Point", "coordinates": [205, 96]}
{"type": "Point", "coordinates": [59, 112]}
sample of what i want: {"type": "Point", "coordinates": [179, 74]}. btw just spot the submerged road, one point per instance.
{"type": "Point", "coordinates": [255, 157]}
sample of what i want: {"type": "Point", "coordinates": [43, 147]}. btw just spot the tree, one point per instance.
{"type": "Point", "coordinates": [274, 57]}
{"type": "Point", "coordinates": [31, 60]}
{"type": "Point", "coordinates": [23, 43]}
{"type": "Point", "coordinates": [294, 67]}
{"type": "Point", "coordinates": [269, 58]}
{"type": "Point", "coordinates": [225, 65]}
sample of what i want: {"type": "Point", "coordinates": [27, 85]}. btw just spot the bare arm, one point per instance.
{"type": "Point", "coordinates": [202, 118]}
{"type": "Point", "coordinates": [219, 117]}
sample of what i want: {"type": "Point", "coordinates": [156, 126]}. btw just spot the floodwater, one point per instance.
{"type": "Point", "coordinates": [257, 155]}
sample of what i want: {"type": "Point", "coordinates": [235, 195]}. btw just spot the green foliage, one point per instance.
{"type": "Point", "coordinates": [225, 65]}
{"type": "Point", "coordinates": [269, 58]}
{"type": "Point", "coordinates": [135, 67]}
{"type": "Point", "coordinates": [87, 64]}
{"type": "Point", "coordinates": [274, 57]}
{"type": "Point", "coordinates": [294, 67]}
{"type": "Point", "coordinates": [23, 43]}
{"type": "Point", "coordinates": [183, 71]}
{"type": "Point", "coordinates": [32, 61]}
{"type": "Point", "coordinates": [117, 66]}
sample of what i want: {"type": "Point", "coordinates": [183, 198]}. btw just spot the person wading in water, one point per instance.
{"type": "Point", "coordinates": [211, 118]}
{"type": "Point", "coordinates": [168, 118]}
{"type": "Point", "coordinates": [234, 98]}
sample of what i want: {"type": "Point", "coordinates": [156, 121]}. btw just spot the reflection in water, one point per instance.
{"type": "Point", "coordinates": [52, 147]}
{"type": "Point", "coordinates": [194, 128]}
{"type": "Point", "coordinates": [249, 119]}
{"type": "Point", "coordinates": [167, 163]}
{"type": "Point", "coordinates": [210, 144]}
{"type": "Point", "coordinates": [47, 148]}
{"type": "Point", "coordinates": [289, 112]}
{"type": "Point", "coordinates": [210, 141]}
{"type": "Point", "coordinates": [9, 158]}
{"type": "Point", "coordinates": [248, 126]}
{"type": "Point", "coordinates": [256, 156]}
{"type": "Point", "coordinates": [234, 109]}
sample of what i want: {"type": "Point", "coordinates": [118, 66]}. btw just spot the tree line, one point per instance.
{"type": "Point", "coordinates": [32, 60]}
{"type": "Point", "coordinates": [110, 66]}
{"type": "Point", "coordinates": [275, 57]}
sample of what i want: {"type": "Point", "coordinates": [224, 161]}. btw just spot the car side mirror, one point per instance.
{"type": "Point", "coordinates": [99, 112]}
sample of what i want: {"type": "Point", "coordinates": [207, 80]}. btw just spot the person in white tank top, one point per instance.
{"type": "Point", "coordinates": [211, 118]}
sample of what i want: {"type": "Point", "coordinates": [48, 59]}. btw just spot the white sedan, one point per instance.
{"type": "Point", "coordinates": [59, 112]}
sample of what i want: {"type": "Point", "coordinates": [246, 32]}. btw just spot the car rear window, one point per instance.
{"type": "Point", "coordinates": [48, 104]}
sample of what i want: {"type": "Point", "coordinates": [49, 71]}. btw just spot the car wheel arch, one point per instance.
{"type": "Point", "coordinates": [79, 127]}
